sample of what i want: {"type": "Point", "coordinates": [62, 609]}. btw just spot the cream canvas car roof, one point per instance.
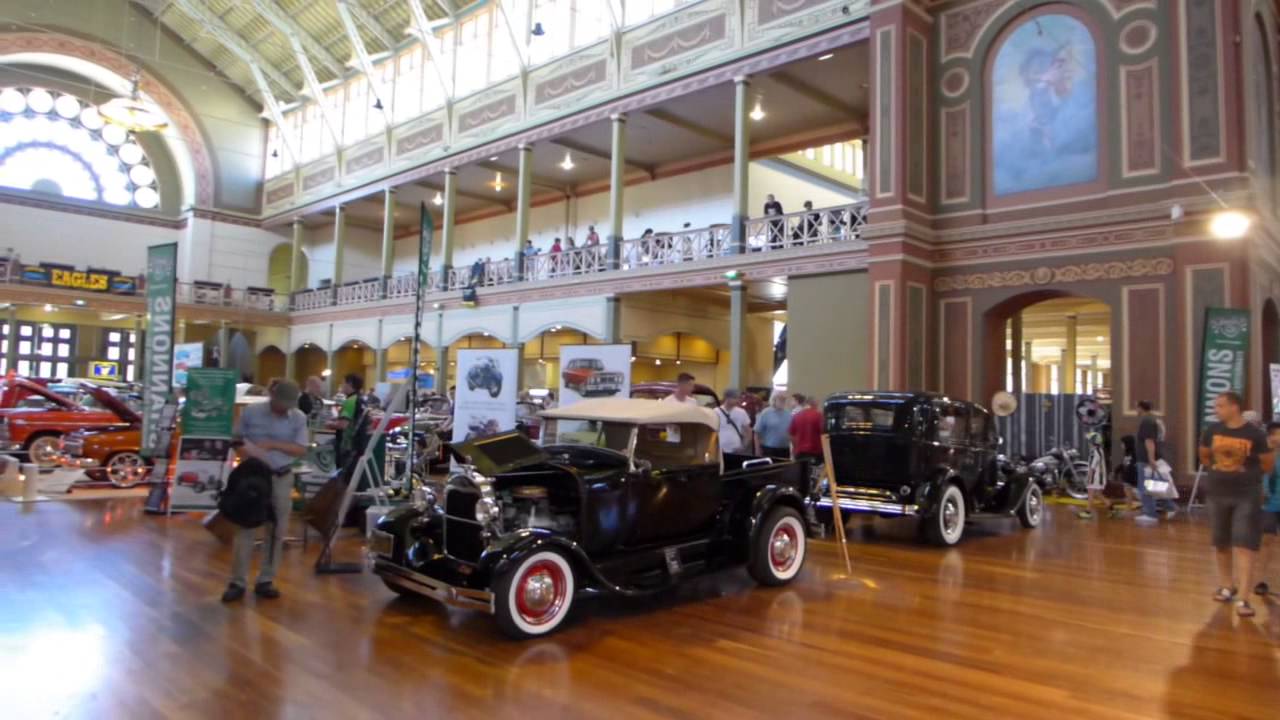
{"type": "Point", "coordinates": [636, 412]}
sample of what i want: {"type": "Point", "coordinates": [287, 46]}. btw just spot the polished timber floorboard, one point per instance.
{"type": "Point", "coordinates": [108, 613]}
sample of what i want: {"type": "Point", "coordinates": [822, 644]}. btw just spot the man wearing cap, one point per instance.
{"type": "Point", "coordinates": [274, 432]}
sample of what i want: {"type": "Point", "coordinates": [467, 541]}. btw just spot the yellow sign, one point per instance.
{"type": "Point", "coordinates": [104, 369]}
{"type": "Point", "coordinates": [79, 279]}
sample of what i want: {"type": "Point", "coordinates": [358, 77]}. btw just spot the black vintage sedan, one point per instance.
{"type": "Point", "coordinates": [627, 497]}
{"type": "Point", "coordinates": [922, 455]}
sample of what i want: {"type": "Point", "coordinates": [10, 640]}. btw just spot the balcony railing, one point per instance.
{"type": "Point", "coordinates": [843, 223]}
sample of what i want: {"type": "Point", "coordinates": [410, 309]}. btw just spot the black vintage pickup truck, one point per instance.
{"type": "Point", "coordinates": [626, 497]}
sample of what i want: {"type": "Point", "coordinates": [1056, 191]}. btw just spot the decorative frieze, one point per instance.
{"type": "Point", "coordinates": [1084, 272]}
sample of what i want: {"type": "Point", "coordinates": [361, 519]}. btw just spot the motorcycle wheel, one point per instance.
{"type": "Point", "coordinates": [1073, 480]}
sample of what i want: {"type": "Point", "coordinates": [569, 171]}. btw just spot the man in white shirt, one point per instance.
{"type": "Point", "coordinates": [684, 391]}
{"type": "Point", "coordinates": [735, 424]}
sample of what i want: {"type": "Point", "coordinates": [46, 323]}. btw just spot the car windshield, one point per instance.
{"type": "Point", "coordinates": [876, 416]}
{"type": "Point", "coordinates": [673, 446]}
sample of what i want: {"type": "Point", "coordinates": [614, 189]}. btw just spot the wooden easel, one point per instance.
{"type": "Point", "coordinates": [836, 517]}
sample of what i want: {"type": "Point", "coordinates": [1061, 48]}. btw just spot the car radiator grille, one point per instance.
{"type": "Point", "coordinates": [462, 534]}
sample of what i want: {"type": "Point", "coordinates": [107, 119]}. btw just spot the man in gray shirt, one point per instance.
{"type": "Point", "coordinates": [274, 432]}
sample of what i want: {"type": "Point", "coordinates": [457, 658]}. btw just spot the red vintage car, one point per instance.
{"type": "Point", "coordinates": [38, 417]}
{"type": "Point", "coordinates": [588, 377]}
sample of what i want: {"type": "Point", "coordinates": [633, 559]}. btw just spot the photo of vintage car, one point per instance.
{"type": "Point", "coordinates": [640, 499]}
{"type": "Point", "coordinates": [588, 378]}
{"type": "Point", "coordinates": [486, 375]}
{"type": "Point", "coordinates": [42, 419]}
{"type": "Point", "coordinates": [925, 456]}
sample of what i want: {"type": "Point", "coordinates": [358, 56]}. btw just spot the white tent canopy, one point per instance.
{"type": "Point", "coordinates": [636, 412]}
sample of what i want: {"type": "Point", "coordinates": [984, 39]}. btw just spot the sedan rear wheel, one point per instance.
{"type": "Point", "coordinates": [44, 450]}
{"type": "Point", "coordinates": [127, 469]}
{"type": "Point", "coordinates": [946, 525]}
{"type": "Point", "coordinates": [1031, 511]}
{"type": "Point", "coordinates": [778, 550]}
{"type": "Point", "coordinates": [534, 597]}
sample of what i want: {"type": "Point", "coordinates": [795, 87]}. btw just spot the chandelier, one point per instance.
{"type": "Point", "coordinates": [133, 113]}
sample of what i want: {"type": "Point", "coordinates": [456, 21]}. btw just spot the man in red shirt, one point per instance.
{"type": "Point", "coordinates": [806, 432]}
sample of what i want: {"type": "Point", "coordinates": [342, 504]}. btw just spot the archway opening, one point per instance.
{"type": "Point", "coordinates": [1270, 355]}
{"type": "Point", "coordinates": [662, 358]}
{"type": "Point", "coordinates": [355, 357]}
{"type": "Point", "coordinates": [540, 365]}
{"type": "Point", "coordinates": [399, 363]}
{"type": "Point", "coordinates": [280, 269]}
{"type": "Point", "coordinates": [309, 360]}
{"type": "Point", "coordinates": [271, 364]}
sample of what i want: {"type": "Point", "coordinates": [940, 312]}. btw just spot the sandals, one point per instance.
{"type": "Point", "coordinates": [1244, 609]}
{"type": "Point", "coordinates": [1225, 594]}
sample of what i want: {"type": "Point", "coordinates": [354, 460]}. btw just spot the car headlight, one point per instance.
{"type": "Point", "coordinates": [486, 510]}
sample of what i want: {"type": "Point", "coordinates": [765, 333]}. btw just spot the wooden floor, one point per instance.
{"type": "Point", "coordinates": [108, 613]}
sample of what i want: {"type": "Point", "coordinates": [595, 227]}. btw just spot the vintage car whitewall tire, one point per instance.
{"type": "Point", "coordinates": [946, 525]}
{"type": "Point", "coordinates": [778, 550]}
{"type": "Point", "coordinates": [534, 597]}
{"type": "Point", "coordinates": [1031, 511]}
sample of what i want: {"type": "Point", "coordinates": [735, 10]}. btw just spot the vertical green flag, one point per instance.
{"type": "Point", "coordinates": [162, 271]}
{"type": "Point", "coordinates": [1223, 359]}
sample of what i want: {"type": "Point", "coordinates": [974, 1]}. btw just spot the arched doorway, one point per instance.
{"type": "Point", "coordinates": [280, 266]}
{"type": "Point", "coordinates": [271, 365]}
{"type": "Point", "coordinates": [309, 360]}
{"type": "Point", "coordinates": [541, 362]}
{"type": "Point", "coordinates": [1270, 354]}
{"type": "Point", "coordinates": [356, 357]}
{"type": "Point", "coordinates": [399, 358]}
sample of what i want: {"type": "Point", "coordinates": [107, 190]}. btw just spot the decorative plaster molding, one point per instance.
{"type": "Point", "coordinates": [1116, 270]}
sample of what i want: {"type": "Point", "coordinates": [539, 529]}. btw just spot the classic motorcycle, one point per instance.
{"type": "Point", "coordinates": [1063, 469]}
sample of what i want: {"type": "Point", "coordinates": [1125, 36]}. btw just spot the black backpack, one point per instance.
{"type": "Point", "coordinates": [246, 501]}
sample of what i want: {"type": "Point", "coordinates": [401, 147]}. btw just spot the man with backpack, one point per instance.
{"type": "Point", "coordinates": [273, 435]}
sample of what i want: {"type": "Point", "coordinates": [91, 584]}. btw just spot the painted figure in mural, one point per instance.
{"type": "Point", "coordinates": [1049, 75]}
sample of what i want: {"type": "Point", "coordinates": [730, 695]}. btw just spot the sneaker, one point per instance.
{"type": "Point", "coordinates": [1225, 594]}
{"type": "Point", "coordinates": [1261, 589]}
{"type": "Point", "coordinates": [1146, 520]}
{"type": "Point", "coordinates": [266, 590]}
{"type": "Point", "coordinates": [1085, 514]}
{"type": "Point", "coordinates": [1244, 609]}
{"type": "Point", "coordinates": [233, 593]}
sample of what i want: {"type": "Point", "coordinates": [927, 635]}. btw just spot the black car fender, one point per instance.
{"type": "Point", "coordinates": [396, 523]}
{"type": "Point", "coordinates": [930, 492]}
{"type": "Point", "coordinates": [514, 548]}
{"type": "Point", "coordinates": [765, 499]}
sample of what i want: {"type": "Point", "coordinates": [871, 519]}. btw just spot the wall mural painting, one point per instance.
{"type": "Point", "coordinates": [1044, 114]}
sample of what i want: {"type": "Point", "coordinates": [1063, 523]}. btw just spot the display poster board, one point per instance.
{"type": "Point", "coordinates": [1274, 369]}
{"type": "Point", "coordinates": [162, 271]}
{"type": "Point", "coordinates": [208, 416]}
{"type": "Point", "coordinates": [185, 357]}
{"type": "Point", "coordinates": [485, 401]}
{"type": "Point", "coordinates": [1222, 360]}
{"type": "Point", "coordinates": [593, 371]}
{"type": "Point", "coordinates": [201, 472]}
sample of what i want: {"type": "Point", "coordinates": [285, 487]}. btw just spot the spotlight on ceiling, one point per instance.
{"type": "Point", "coordinates": [537, 30]}
{"type": "Point", "coordinates": [78, 302]}
{"type": "Point", "coordinates": [377, 103]}
{"type": "Point", "coordinates": [567, 164]}
{"type": "Point", "coordinates": [757, 113]}
{"type": "Point", "coordinates": [497, 182]}
{"type": "Point", "coordinates": [438, 199]}
{"type": "Point", "coordinates": [1229, 225]}
{"type": "Point", "coordinates": [48, 307]}
{"type": "Point", "coordinates": [828, 56]}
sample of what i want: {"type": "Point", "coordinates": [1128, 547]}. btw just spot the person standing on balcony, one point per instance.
{"type": "Point", "coordinates": [593, 237]}
{"type": "Point", "coordinates": [477, 272]}
{"type": "Point", "coordinates": [555, 246]}
{"type": "Point", "coordinates": [777, 228]}
{"type": "Point", "coordinates": [556, 249]}
{"type": "Point", "coordinates": [529, 249]}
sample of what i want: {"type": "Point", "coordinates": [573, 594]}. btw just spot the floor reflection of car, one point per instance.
{"type": "Point", "coordinates": [42, 417]}
{"type": "Point", "coordinates": [627, 497]}
{"type": "Point", "coordinates": [922, 455]}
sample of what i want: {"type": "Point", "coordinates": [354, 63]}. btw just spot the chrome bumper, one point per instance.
{"type": "Point", "coordinates": [870, 506]}
{"type": "Point", "coordinates": [9, 446]}
{"type": "Point", "coordinates": [433, 588]}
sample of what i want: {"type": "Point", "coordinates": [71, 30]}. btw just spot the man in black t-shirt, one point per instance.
{"type": "Point", "coordinates": [1237, 456]}
{"type": "Point", "coordinates": [1146, 452]}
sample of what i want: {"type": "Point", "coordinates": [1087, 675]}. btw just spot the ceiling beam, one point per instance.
{"type": "Point", "coordinates": [235, 43]}
{"type": "Point", "coordinates": [602, 155]}
{"type": "Point", "coordinates": [362, 55]}
{"type": "Point", "coordinates": [369, 21]}
{"type": "Point", "coordinates": [289, 27]}
{"type": "Point", "coordinates": [161, 8]}
{"type": "Point", "coordinates": [478, 197]}
{"type": "Point", "coordinates": [522, 51]}
{"type": "Point", "coordinates": [423, 28]}
{"type": "Point", "coordinates": [273, 108]}
{"type": "Point", "coordinates": [668, 118]}
{"type": "Point", "coordinates": [809, 92]}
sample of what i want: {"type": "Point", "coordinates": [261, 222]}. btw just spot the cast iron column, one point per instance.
{"type": "Point", "coordinates": [741, 163]}
{"type": "Point", "coordinates": [737, 333]}
{"type": "Point", "coordinates": [295, 257]}
{"type": "Point", "coordinates": [524, 187]}
{"type": "Point", "coordinates": [617, 184]}
{"type": "Point", "coordinates": [388, 235]}
{"type": "Point", "coordinates": [339, 243]}
{"type": "Point", "coordinates": [446, 226]}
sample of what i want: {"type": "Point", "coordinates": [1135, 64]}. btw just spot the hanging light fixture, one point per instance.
{"type": "Point", "coordinates": [567, 165]}
{"type": "Point", "coordinates": [537, 30]}
{"type": "Point", "coordinates": [497, 183]}
{"type": "Point", "coordinates": [377, 103]}
{"type": "Point", "coordinates": [757, 113]}
{"type": "Point", "coordinates": [133, 113]}
{"type": "Point", "coordinates": [438, 199]}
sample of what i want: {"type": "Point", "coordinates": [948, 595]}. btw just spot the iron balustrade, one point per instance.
{"type": "Point", "coordinates": [566, 263]}
{"type": "Point", "coordinates": [678, 247]}
{"type": "Point", "coordinates": [492, 274]}
{"type": "Point", "coordinates": [359, 292]}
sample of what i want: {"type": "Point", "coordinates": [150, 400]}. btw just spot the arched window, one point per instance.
{"type": "Point", "coordinates": [57, 144]}
{"type": "Point", "coordinates": [1044, 106]}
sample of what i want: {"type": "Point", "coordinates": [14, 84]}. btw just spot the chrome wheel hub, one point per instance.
{"type": "Point", "coordinates": [782, 549]}
{"type": "Point", "coordinates": [539, 593]}
{"type": "Point", "coordinates": [950, 516]}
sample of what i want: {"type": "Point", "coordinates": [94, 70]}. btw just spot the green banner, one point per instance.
{"type": "Point", "coordinates": [1222, 359]}
{"type": "Point", "coordinates": [162, 271]}
{"type": "Point", "coordinates": [211, 399]}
